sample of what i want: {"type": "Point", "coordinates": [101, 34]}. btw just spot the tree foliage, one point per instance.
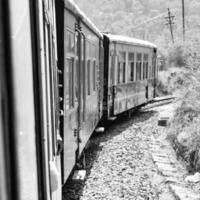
{"type": "Point", "coordinates": [134, 18]}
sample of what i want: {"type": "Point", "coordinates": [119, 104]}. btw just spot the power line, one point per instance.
{"type": "Point", "coordinates": [149, 20]}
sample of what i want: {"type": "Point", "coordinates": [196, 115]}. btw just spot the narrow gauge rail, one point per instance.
{"type": "Point", "coordinates": [59, 77]}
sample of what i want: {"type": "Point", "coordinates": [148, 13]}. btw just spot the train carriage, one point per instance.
{"type": "Point", "coordinates": [80, 61]}
{"type": "Point", "coordinates": [129, 73]}
{"type": "Point", "coordinates": [29, 120]}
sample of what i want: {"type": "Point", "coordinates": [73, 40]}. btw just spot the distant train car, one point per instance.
{"type": "Point", "coordinates": [80, 61]}
{"type": "Point", "coordinates": [129, 73]}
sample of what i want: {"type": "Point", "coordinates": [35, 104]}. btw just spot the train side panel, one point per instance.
{"type": "Point", "coordinates": [17, 105]}
{"type": "Point", "coordinates": [79, 52]}
{"type": "Point", "coordinates": [91, 85]}
{"type": "Point", "coordinates": [68, 80]}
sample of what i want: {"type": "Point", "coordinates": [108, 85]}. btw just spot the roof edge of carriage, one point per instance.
{"type": "Point", "coordinates": [129, 40]}
{"type": "Point", "coordinates": [72, 6]}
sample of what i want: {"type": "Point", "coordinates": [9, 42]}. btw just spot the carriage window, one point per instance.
{"type": "Point", "coordinates": [94, 75]}
{"type": "Point", "coordinates": [154, 63]}
{"type": "Point", "coordinates": [144, 70]}
{"type": "Point", "coordinates": [112, 70]}
{"type": "Point", "coordinates": [124, 72]}
{"type": "Point", "coordinates": [150, 68]}
{"type": "Point", "coordinates": [131, 66]}
{"type": "Point", "coordinates": [76, 69]}
{"type": "Point", "coordinates": [138, 66]}
{"type": "Point", "coordinates": [70, 41]}
{"type": "Point", "coordinates": [153, 68]}
{"type": "Point", "coordinates": [118, 73]}
{"type": "Point", "coordinates": [121, 67]}
{"type": "Point", "coordinates": [152, 71]}
{"type": "Point", "coordinates": [88, 75]}
{"type": "Point", "coordinates": [69, 71]}
{"type": "Point", "coordinates": [146, 61]}
{"type": "Point", "coordinates": [145, 66]}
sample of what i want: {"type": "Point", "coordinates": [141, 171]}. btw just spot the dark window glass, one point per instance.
{"type": "Point", "coordinates": [140, 70]}
{"type": "Point", "coordinates": [71, 81]}
{"type": "Point", "coordinates": [132, 71]}
{"type": "Point", "coordinates": [131, 57]}
{"type": "Point", "coordinates": [76, 81]}
{"type": "Point", "coordinates": [121, 67]}
{"type": "Point", "coordinates": [94, 75]}
{"type": "Point", "coordinates": [147, 70]}
{"type": "Point", "coordinates": [131, 66]}
{"type": "Point", "coordinates": [139, 56]}
{"type": "Point", "coordinates": [82, 48]}
{"type": "Point", "coordinates": [124, 72]}
{"type": "Point", "coordinates": [112, 70]}
{"type": "Point", "coordinates": [137, 71]}
{"type": "Point", "coordinates": [144, 70]}
{"type": "Point", "coordinates": [88, 75]}
{"type": "Point", "coordinates": [118, 73]}
{"type": "Point", "coordinates": [138, 66]}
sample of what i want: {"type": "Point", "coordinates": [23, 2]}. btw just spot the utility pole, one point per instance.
{"type": "Point", "coordinates": [183, 15]}
{"type": "Point", "coordinates": [170, 22]}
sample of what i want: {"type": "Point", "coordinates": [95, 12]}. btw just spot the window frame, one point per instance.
{"type": "Point", "coordinates": [94, 74]}
{"type": "Point", "coordinates": [145, 66]}
{"type": "Point", "coordinates": [88, 77]}
{"type": "Point", "coordinates": [121, 67]}
{"type": "Point", "coordinates": [91, 71]}
{"type": "Point", "coordinates": [131, 67]}
{"type": "Point", "coordinates": [138, 66]}
{"type": "Point", "coordinates": [70, 57]}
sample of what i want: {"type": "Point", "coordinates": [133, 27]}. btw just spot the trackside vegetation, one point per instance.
{"type": "Point", "coordinates": [180, 76]}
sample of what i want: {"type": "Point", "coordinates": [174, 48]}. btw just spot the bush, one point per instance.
{"type": "Point", "coordinates": [177, 56]}
{"type": "Point", "coordinates": [184, 79]}
{"type": "Point", "coordinates": [185, 129]}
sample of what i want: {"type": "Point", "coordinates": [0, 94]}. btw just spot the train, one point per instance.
{"type": "Point", "coordinates": [60, 77]}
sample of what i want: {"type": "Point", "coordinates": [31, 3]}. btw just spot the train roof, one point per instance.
{"type": "Point", "coordinates": [71, 5]}
{"type": "Point", "coordinates": [129, 40]}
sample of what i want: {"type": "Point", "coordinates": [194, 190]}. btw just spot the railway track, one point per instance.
{"type": "Point", "coordinates": [159, 101]}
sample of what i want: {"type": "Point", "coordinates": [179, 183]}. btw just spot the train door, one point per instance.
{"type": "Point", "coordinates": [3, 179]}
{"type": "Point", "coordinates": [71, 94]}
{"type": "Point", "coordinates": [50, 104]}
{"type": "Point", "coordinates": [81, 67]}
{"type": "Point", "coordinates": [82, 76]}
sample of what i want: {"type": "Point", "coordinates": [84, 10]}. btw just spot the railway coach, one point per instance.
{"type": "Point", "coordinates": [80, 61]}
{"type": "Point", "coordinates": [130, 73]}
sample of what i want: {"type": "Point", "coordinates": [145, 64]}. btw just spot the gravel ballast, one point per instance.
{"type": "Point", "coordinates": [118, 162]}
